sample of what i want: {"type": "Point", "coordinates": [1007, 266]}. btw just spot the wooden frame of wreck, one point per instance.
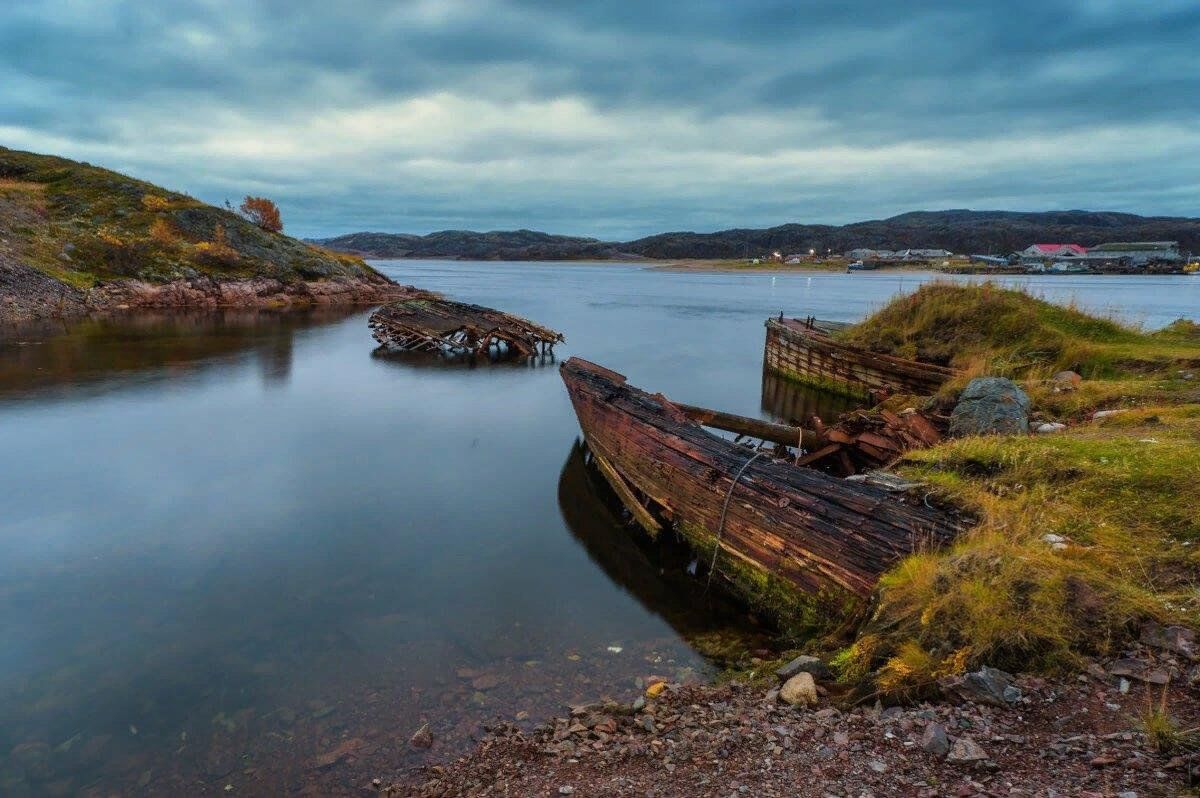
{"type": "Point", "coordinates": [818, 533]}
{"type": "Point", "coordinates": [459, 329]}
{"type": "Point", "coordinates": [805, 351]}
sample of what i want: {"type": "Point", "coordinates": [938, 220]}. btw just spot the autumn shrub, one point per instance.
{"type": "Point", "coordinates": [262, 212]}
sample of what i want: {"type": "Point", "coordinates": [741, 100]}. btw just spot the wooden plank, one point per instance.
{"type": "Point", "coordinates": [756, 428]}
{"type": "Point", "coordinates": [640, 514]}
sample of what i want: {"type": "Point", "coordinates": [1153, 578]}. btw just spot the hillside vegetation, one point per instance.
{"type": "Point", "coordinates": [83, 226]}
{"type": "Point", "coordinates": [1083, 534]}
{"type": "Point", "coordinates": [960, 231]}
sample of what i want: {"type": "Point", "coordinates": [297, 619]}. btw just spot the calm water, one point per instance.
{"type": "Point", "coordinates": [239, 549]}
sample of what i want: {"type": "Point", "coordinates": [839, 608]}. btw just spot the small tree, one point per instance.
{"type": "Point", "coordinates": [262, 212]}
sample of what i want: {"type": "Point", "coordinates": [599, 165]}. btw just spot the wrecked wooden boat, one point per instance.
{"type": "Point", "coordinates": [819, 534]}
{"type": "Point", "coordinates": [459, 329]}
{"type": "Point", "coordinates": [806, 351]}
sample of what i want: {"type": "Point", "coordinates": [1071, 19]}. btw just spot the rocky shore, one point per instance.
{"type": "Point", "coordinates": [1099, 732]}
{"type": "Point", "coordinates": [27, 294]}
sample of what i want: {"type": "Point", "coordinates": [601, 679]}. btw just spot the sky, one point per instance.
{"type": "Point", "coordinates": [621, 118]}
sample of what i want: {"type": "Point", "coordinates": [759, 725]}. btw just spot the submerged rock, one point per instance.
{"type": "Point", "coordinates": [991, 406]}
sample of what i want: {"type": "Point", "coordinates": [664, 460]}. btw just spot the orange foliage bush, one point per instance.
{"type": "Point", "coordinates": [153, 202]}
{"type": "Point", "coordinates": [262, 212]}
{"type": "Point", "coordinates": [162, 232]}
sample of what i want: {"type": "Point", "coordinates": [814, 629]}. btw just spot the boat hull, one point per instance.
{"type": "Point", "coordinates": [815, 532]}
{"type": "Point", "coordinates": [806, 354]}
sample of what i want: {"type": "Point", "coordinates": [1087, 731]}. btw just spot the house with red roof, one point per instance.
{"type": "Point", "coordinates": [1053, 251]}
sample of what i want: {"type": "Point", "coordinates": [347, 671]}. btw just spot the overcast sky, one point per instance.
{"type": "Point", "coordinates": [616, 118]}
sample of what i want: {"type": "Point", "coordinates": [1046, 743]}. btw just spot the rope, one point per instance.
{"type": "Point", "coordinates": [712, 567]}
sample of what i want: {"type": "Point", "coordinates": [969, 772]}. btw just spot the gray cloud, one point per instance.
{"type": "Point", "coordinates": [618, 118]}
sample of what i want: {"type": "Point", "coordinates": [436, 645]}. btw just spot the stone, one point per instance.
{"type": "Point", "coordinates": [1138, 669]}
{"type": "Point", "coordinates": [1099, 414]}
{"type": "Point", "coordinates": [800, 690]}
{"type": "Point", "coordinates": [984, 686]}
{"type": "Point", "coordinates": [804, 664]}
{"type": "Point", "coordinates": [1048, 427]}
{"type": "Point", "coordinates": [990, 406]}
{"type": "Point", "coordinates": [422, 737]}
{"type": "Point", "coordinates": [1170, 638]}
{"type": "Point", "coordinates": [1067, 380]}
{"type": "Point", "coordinates": [656, 689]}
{"type": "Point", "coordinates": [934, 739]}
{"type": "Point", "coordinates": [566, 790]}
{"type": "Point", "coordinates": [966, 751]}
{"type": "Point", "coordinates": [1056, 542]}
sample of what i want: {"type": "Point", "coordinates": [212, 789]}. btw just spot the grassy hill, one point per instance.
{"type": "Point", "coordinates": [960, 231]}
{"type": "Point", "coordinates": [72, 234]}
{"type": "Point", "coordinates": [1084, 533]}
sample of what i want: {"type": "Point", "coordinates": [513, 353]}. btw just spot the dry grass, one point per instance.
{"type": "Point", "coordinates": [1122, 493]}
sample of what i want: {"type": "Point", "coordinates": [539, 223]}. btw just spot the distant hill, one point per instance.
{"type": "Point", "coordinates": [961, 231]}
{"type": "Point", "coordinates": [75, 237]}
{"type": "Point", "coordinates": [495, 245]}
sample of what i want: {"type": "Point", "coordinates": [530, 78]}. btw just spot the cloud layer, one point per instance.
{"type": "Point", "coordinates": [620, 118]}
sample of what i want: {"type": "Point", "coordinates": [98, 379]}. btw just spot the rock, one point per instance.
{"type": "Point", "coordinates": [1138, 669]}
{"type": "Point", "coordinates": [487, 681]}
{"type": "Point", "coordinates": [656, 689]}
{"type": "Point", "coordinates": [1049, 426]}
{"type": "Point", "coordinates": [1099, 414]}
{"type": "Point", "coordinates": [984, 686]}
{"type": "Point", "coordinates": [331, 758]}
{"type": "Point", "coordinates": [566, 790]}
{"type": "Point", "coordinates": [422, 737]}
{"type": "Point", "coordinates": [990, 406]}
{"type": "Point", "coordinates": [1067, 380]}
{"type": "Point", "coordinates": [877, 766]}
{"type": "Point", "coordinates": [966, 751]}
{"type": "Point", "coordinates": [800, 690]}
{"type": "Point", "coordinates": [934, 739]}
{"type": "Point", "coordinates": [1170, 638]}
{"type": "Point", "coordinates": [1056, 542]}
{"type": "Point", "coordinates": [639, 704]}
{"type": "Point", "coordinates": [804, 664]}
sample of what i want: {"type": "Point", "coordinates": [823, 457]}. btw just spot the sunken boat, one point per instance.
{"type": "Point", "coordinates": [458, 329]}
{"type": "Point", "coordinates": [779, 524]}
{"type": "Point", "coordinates": [807, 350]}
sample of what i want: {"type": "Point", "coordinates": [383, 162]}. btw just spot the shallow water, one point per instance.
{"type": "Point", "coordinates": [240, 549]}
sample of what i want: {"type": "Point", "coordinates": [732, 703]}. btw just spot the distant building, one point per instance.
{"type": "Point", "coordinates": [923, 254]}
{"type": "Point", "coordinates": [989, 260]}
{"type": "Point", "coordinates": [1054, 251]}
{"type": "Point", "coordinates": [1137, 253]}
{"type": "Point", "coordinates": [870, 254]}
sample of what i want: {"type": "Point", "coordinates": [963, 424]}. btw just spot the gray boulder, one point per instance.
{"type": "Point", "coordinates": [984, 686]}
{"type": "Point", "coordinates": [804, 664]}
{"type": "Point", "coordinates": [991, 406]}
{"type": "Point", "coordinates": [934, 740]}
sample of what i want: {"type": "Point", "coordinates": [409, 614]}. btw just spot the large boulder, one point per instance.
{"type": "Point", "coordinates": [800, 690]}
{"type": "Point", "coordinates": [991, 406]}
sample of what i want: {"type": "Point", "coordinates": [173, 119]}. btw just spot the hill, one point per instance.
{"type": "Point", "coordinates": [75, 237]}
{"type": "Point", "coordinates": [493, 245]}
{"type": "Point", "coordinates": [961, 231]}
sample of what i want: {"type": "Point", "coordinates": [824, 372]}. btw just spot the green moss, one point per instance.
{"type": "Point", "coordinates": [798, 615]}
{"type": "Point", "coordinates": [852, 390]}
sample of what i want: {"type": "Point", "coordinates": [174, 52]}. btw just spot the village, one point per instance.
{"type": "Point", "coordinates": [1116, 257]}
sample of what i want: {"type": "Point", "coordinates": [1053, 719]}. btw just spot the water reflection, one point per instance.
{"type": "Point", "coordinates": [67, 357]}
{"type": "Point", "coordinates": [653, 572]}
{"type": "Point", "coordinates": [789, 402]}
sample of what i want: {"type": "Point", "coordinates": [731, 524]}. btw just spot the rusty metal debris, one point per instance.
{"type": "Point", "coordinates": [459, 329]}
